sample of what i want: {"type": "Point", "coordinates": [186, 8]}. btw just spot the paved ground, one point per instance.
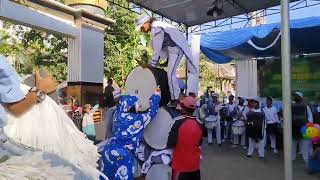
{"type": "Point", "coordinates": [226, 163]}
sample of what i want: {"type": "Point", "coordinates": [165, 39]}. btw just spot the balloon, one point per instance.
{"type": "Point", "coordinates": [303, 130]}
{"type": "Point", "coordinates": [312, 132]}
{"type": "Point", "coordinates": [316, 140]}
{"type": "Point", "coordinates": [305, 137]}
{"type": "Point", "coordinates": [310, 124]}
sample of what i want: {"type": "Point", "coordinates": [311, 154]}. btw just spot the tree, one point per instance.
{"type": "Point", "coordinates": [208, 76]}
{"type": "Point", "coordinates": [122, 44]}
{"type": "Point", "coordinates": [33, 48]}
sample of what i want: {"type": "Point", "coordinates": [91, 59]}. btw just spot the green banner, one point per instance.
{"type": "Point", "coordinates": [305, 77]}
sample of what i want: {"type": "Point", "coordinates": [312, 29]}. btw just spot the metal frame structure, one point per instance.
{"type": "Point", "coordinates": [241, 20]}
{"type": "Point", "coordinates": [245, 19]}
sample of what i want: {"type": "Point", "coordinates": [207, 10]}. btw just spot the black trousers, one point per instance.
{"type": "Point", "coordinates": [195, 175]}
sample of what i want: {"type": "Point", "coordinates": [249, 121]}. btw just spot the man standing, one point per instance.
{"type": "Point", "coordinates": [230, 112]}
{"type": "Point", "coordinates": [239, 121]}
{"type": "Point", "coordinates": [301, 114]}
{"type": "Point", "coordinates": [108, 97]}
{"type": "Point", "coordinates": [210, 112]}
{"type": "Point", "coordinates": [255, 129]}
{"type": "Point", "coordinates": [168, 43]}
{"type": "Point", "coordinates": [109, 115]}
{"type": "Point", "coordinates": [272, 120]}
{"type": "Point", "coordinates": [186, 137]}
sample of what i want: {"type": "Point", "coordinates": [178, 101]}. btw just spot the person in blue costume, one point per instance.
{"type": "Point", "coordinates": [118, 154]}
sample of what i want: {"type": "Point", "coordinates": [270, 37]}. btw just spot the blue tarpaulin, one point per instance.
{"type": "Point", "coordinates": [261, 41]}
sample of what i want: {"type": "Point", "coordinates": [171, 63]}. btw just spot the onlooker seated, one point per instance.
{"type": "Point", "coordinates": [88, 126]}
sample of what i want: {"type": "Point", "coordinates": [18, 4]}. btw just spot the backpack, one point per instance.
{"type": "Point", "coordinates": [255, 125]}
{"type": "Point", "coordinates": [299, 119]}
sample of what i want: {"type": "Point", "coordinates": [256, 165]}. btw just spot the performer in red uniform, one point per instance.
{"type": "Point", "coordinates": [186, 137]}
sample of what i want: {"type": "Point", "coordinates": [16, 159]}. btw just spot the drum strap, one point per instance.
{"type": "Point", "coordinates": [241, 112]}
{"type": "Point", "coordinates": [174, 132]}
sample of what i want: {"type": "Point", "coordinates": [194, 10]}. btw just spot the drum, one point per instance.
{"type": "Point", "coordinates": [159, 172]}
{"type": "Point", "coordinates": [238, 130]}
{"type": "Point", "coordinates": [157, 132]}
{"type": "Point", "coordinates": [211, 122]}
{"type": "Point", "coordinates": [143, 82]}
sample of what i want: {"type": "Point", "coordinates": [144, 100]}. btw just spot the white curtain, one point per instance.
{"type": "Point", "coordinates": [246, 78]}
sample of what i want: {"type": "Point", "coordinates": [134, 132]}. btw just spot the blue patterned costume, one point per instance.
{"type": "Point", "coordinates": [118, 154]}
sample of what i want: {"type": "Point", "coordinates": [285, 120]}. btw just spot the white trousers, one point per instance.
{"type": "Point", "coordinates": [175, 56]}
{"type": "Point", "coordinates": [260, 143]}
{"type": "Point", "coordinates": [218, 133]}
{"type": "Point", "coordinates": [305, 147]}
{"type": "Point", "coordinates": [273, 141]}
{"type": "Point", "coordinates": [228, 134]}
{"type": "Point", "coordinates": [242, 138]}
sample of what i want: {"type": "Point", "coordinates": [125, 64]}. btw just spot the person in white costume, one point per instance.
{"type": "Point", "coordinates": [168, 43]}
{"type": "Point", "coordinates": [272, 120]}
{"type": "Point", "coordinates": [255, 129]}
{"type": "Point", "coordinates": [239, 121]}
{"type": "Point", "coordinates": [34, 120]}
{"type": "Point", "coordinates": [304, 144]}
{"type": "Point", "coordinates": [210, 112]}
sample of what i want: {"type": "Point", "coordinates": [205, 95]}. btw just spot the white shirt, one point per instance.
{"type": "Point", "coordinates": [231, 107]}
{"type": "Point", "coordinates": [309, 113]}
{"type": "Point", "coordinates": [271, 115]}
{"type": "Point", "coordinates": [243, 109]}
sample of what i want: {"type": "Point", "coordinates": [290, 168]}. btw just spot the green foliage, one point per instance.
{"type": "Point", "coordinates": [208, 76]}
{"type": "Point", "coordinates": [122, 44]}
{"type": "Point", "coordinates": [34, 49]}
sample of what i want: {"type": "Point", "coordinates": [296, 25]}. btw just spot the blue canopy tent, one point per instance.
{"type": "Point", "coordinates": [261, 41]}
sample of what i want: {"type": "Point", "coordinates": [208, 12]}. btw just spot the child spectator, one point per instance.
{"type": "Point", "coordinates": [87, 123]}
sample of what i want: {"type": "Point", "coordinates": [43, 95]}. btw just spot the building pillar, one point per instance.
{"type": "Point", "coordinates": [86, 55]}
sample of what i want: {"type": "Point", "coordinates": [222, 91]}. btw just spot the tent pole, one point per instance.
{"type": "Point", "coordinates": [286, 87]}
{"type": "Point", "coordinates": [186, 63]}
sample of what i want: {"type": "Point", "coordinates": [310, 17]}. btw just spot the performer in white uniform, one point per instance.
{"type": "Point", "coordinates": [272, 120]}
{"type": "Point", "coordinates": [304, 145]}
{"type": "Point", "coordinates": [168, 43]}
{"type": "Point", "coordinates": [256, 129]}
{"type": "Point", "coordinates": [45, 126]}
{"type": "Point", "coordinates": [230, 113]}
{"type": "Point", "coordinates": [210, 113]}
{"type": "Point", "coordinates": [239, 121]}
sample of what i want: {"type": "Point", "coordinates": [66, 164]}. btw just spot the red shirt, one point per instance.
{"type": "Point", "coordinates": [186, 155]}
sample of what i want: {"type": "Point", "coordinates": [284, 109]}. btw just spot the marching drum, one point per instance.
{"type": "Point", "coordinates": [143, 82]}
{"type": "Point", "coordinates": [210, 122]}
{"type": "Point", "coordinates": [159, 172]}
{"type": "Point", "coordinates": [157, 131]}
{"type": "Point", "coordinates": [238, 128]}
